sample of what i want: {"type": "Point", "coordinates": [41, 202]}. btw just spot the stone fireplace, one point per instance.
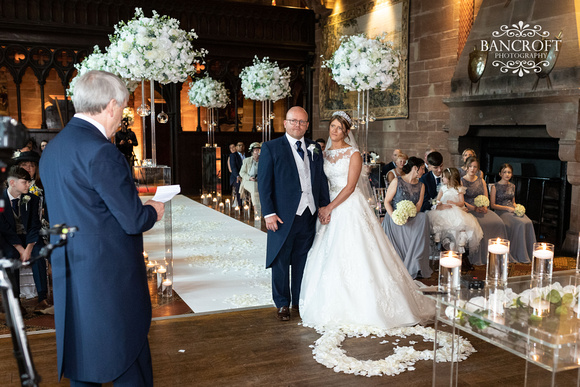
{"type": "Point", "coordinates": [534, 120]}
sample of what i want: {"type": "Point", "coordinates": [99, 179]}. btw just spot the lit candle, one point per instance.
{"type": "Point", "coordinates": [543, 253]}
{"type": "Point", "coordinates": [221, 207]}
{"type": "Point", "coordinates": [215, 203]}
{"type": "Point", "coordinates": [228, 206]}
{"type": "Point", "coordinates": [203, 199]}
{"type": "Point", "coordinates": [237, 211]}
{"type": "Point", "coordinates": [161, 269]}
{"type": "Point", "coordinates": [145, 255]}
{"type": "Point", "coordinates": [450, 262]}
{"type": "Point", "coordinates": [257, 222]}
{"type": "Point", "coordinates": [498, 248]}
{"type": "Point", "coordinates": [246, 212]}
{"type": "Point", "coordinates": [166, 283]}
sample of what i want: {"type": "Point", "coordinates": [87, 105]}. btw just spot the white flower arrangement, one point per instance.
{"type": "Point", "coordinates": [361, 64]}
{"type": "Point", "coordinates": [264, 80]}
{"type": "Point", "coordinates": [328, 352]}
{"type": "Point", "coordinates": [154, 48]}
{"type": "Point", "coordinates": [481, 201]}
{"type": "Point", "coordinates": [408, 208]}
{"type": "Point", "coordinates": [98, 61]}
{"type": "Point", "coordinates": [399, 217]}
{"type": "Point", "coordinates": [519, 210]}
{"type": "Point", "coordinates": [208, 92]}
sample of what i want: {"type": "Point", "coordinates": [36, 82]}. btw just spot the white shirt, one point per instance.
{"type": "Point", "coordinates": [95, 123]}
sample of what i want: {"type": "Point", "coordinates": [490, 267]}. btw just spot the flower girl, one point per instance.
{"type": "Point", "coordinates": [448, 218]}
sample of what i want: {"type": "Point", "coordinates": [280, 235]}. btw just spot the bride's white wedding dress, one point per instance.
{"type": "Point", "coordinates": [353, 275]}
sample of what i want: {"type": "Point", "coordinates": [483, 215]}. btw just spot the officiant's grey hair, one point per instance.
{"type": "Point", "coordinates": [94, 90]}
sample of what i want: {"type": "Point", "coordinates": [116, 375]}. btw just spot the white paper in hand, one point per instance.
{"type": "Point", "coordinates": [166, 192]}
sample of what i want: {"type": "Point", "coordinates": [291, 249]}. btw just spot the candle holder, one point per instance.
{"type": "Point", "coordinates": [257, 222]}
{"type": "Point", "coordinates": [151, 266]}
{"type": "Point", "coordinates": [237, 211]}
{"type": "Point", "coordinates": [449, 271]}
{"type": "Point", "coordinates": [214, 203]}
{"type": "Point", "coordinates": [246, 212]}
{"type": "Point", "coordinates": [166, 288]}
{"type": "Point", "coordinates": [161, 276]}
{"type": "Point", "coordinates": [221, 207]}
{"type": "Point", "coordinates": [204, 200]}
{"type": "Point", "coordinates": [145, 256]}
{"type": "Point", "coordinates": [498, 251]}
{"type": "Point", "coordinates": [543, 261]}
{"type": "Point", "coordinates": [228, 208]}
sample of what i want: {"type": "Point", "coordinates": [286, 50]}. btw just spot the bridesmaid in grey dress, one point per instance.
{"type": "Point", "coordinates": [520, 230]}
{"type": "Point", "coordinates": [467, 153]}
{"type": "Point", "coordinates": [411, 240]}
{"type": "Point", "coordinates": [490, 222]}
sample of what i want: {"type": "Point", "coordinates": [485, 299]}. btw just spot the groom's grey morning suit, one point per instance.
{"type": "Point", "coordinates": [292, 186]}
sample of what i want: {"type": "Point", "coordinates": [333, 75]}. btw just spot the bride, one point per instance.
{"type": "Point", "coordinates": [353, 274]}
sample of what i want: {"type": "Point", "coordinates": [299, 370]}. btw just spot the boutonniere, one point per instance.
{"type": "Point", "coordinates": [313, 149]}
{"type": "Point", "coordinates": [25, 199]}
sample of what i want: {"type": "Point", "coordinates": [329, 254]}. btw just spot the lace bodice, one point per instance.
{"type": "Point", "coordinates": [450, 194]}
{"type": "Point", "coordinates": [472, 189]}
{"type": "Point", "coordinates": [336, 164]}
{"type": "Point", "coordinates": [504, 194]}
{"type": "Point", "coordinates": [406, 191]}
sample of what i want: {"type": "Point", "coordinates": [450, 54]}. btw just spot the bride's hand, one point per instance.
{"type": "Point", "coordinates": [324, 215]}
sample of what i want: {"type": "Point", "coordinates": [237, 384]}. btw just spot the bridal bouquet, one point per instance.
{"type": "Point", "coordinates": [405, 210]}
{"type": "Point", "coordinates": [361, 64]}
{"type": "Point", "coordinates": [209, 93]}
{"type": "Point", "coordinates": [481, 201]}
{"type": "Point", "coordinates": [264, 80]}
{"type": "Point", "coordinates": [98, 61]}
{"type": "Point", "coordinates": [519, 210]}
{"type": "Point", "coordinates": [154, 48]}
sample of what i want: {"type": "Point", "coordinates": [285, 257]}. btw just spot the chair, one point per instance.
{"type": "Point", "coordinates": [380, 194]}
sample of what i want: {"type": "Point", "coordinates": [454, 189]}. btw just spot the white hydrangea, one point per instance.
{"type": "Point", "coordinates": [209, 93]}
{"type": "Point", "coordinates": [154, 48]}
{"type": "Point", "coordinates": [481, 201]}
{"type": "Point", "coordinates": [519, 210]}
{"type": "Point", "coordinates": [408, 208]}
{"type": "Point", "coordinates": [361, 64]}
{"type": "Point", "coordinates": [399, 217]}
{"type": "Point", "coordinates": [264, 80]}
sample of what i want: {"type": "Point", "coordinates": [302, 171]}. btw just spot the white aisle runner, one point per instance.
{"type": "Point", "coordinates": [219, 262]}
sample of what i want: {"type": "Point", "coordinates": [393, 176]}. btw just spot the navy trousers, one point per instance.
{"type": "Point", "coordinates": [292, 257]}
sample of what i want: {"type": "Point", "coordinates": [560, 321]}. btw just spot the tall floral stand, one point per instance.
{"type": "Point", "coordinates": [211, 181]}
{"type": "Point", "coordinates": [158, 257]}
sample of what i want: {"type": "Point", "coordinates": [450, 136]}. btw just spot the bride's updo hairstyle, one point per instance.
{"type": "Point", "coordinates": [412, 162]}
{"type": "Point", "coordinates": [344, 119]}
{"type": "Point", "coordinates": [452, 176]}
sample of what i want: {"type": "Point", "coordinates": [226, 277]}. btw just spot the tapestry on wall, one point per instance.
{"type": "Point", "coordinates": [373, 18]}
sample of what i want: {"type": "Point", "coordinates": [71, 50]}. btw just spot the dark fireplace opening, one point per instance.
{"type": "Point", "coordinates": [539, 174]}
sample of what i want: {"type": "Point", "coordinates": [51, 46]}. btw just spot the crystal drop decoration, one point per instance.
{"type": "Point", "coordinates": [162, 117]}
{"type": "Point", "coordinates": [144, 110]}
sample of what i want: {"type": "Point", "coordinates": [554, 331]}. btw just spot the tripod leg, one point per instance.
{"type": "Point", "coordinates": [28, 375]}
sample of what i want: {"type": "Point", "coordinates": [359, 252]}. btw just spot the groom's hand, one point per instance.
{"type": "Point", "coordinates": [272, 222]}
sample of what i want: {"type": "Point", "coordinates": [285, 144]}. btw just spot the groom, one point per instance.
{"type": "Point", "coordinates": [292, 186]}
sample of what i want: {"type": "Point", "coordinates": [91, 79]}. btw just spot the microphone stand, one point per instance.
{"type": "Point", "coordinates": [28, 374]}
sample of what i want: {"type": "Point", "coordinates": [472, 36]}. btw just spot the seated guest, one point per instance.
{"type": "Point", "coordinates": [432, 179]}
{"type": "Point", "coordinates": [520, 230]}
{"type": "Point", "coordinates": [490, 222]}
{"type": "Point", "coordinates": [398, 170]}
{"type": "Point", "coordinates": [411, 240]}
{"type": "Point", "coordinates": [29, 161]}
{"type": "Point", "coordinates": [467, 153]}
{"type": "Point", "coordinates": [21, 214]}
{"type": "Point", "coordinates": [249, 174]}
{"type": "Point", "coordinates": [322, 143]}
{"type": "Point", "coordinates": [392, 164]}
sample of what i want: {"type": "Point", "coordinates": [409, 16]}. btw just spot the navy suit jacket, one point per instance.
{"type": "Point", "coordinates": [29, 216]}
{"type": "Point", "coordinates": [101, 297]}
{"type": "Point", "coordinates": [235, 165]}
{"type": "Point", "coordinates": [279, 187]}
{"type": "Point", "coordinates": [430, 190]}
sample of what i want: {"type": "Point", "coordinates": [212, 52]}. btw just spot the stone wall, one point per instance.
{"type": "Point", "coordinates": [433, 44]}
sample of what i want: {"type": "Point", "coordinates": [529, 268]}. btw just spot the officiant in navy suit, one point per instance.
{"type": "Point", "coordinates": [292, 186]}
{"type": "Point", "coordinates": [432, 179]}
{"type": "Point", "coordinates": [101, 297]}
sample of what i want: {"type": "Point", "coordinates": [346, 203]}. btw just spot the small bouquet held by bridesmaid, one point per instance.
{"type": "Point", "coordinates": [519, 210]}
{"type": "Point", "coordinates": [481, 201]}
{"type": "Point", "coordinates": [405, 209]}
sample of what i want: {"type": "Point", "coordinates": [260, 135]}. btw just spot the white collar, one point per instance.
{"type": "Point", "coordinates": [292, 140]}
{"type": "Point", "coordinates": [98, 125]}
{"type": "Point", "coordinates": [11, 197]}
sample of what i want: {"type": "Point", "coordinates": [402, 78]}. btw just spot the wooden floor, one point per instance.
{"type": "Point", "coordinates": [252, 348]}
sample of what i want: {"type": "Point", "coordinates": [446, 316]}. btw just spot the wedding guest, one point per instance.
{"type": "Point", "coordinates": [490, 222]}
{"type": "Point", "coordinates": [322, 143]}
{"type": "Point", "coordinates": [232, 150]}
{"type": "Point", "coordinates": [43, 145]}
{"type": "Point", "coordinates": [392, 164]}
{"type": "Point", "coordinates": [29, 162]}
{"type": "Point", "coordinates": [235, 163]}
{"type": "Point", "coordinates": [411, 240]}
{"type": "Point", "coordinates": [241, 149]}
{"type": "Point", "coordinates": [292, 187]}
{"type": "Point", "coordinates": [429, 150]}
{"type": "Point", "coordinates": [432, 179]}
{"type": "Point", "coordinates": [126, 140]}
{"type": "Point", "coordinates": [467, 153]}
{"type": "Point", "coordinates": [249, 174]}
{"type": "Point", "coordinates": [101, 297]}
{"type": "Point", "coordinates": [520, 229]}
{"type": "Point", "coordinates": [398, 170]}
{"type": "Point", "coordinates": [24, 226]}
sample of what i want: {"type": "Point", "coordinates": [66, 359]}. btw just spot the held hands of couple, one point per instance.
{"type": "Point", "coordinates": [158, 206]}
{"type": "Point", "coordinates": [324, 214]}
